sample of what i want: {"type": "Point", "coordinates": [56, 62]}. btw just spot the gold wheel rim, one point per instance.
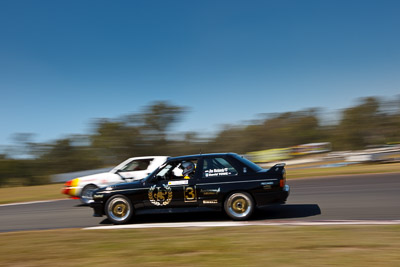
{"type": "Point", "coordinates": [120, 210]}
{"type": "Point", "coordinates": [239, 205]}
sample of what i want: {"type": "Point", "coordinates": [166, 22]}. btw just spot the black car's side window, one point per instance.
{"type": "Point", "coordinates": [217, 167]}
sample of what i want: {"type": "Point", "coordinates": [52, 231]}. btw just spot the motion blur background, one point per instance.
{"type": "Point", "coordinates": [85, 85]}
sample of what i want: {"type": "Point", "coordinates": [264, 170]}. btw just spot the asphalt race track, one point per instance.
{"type": "Point", "coordinates": [359, 197]}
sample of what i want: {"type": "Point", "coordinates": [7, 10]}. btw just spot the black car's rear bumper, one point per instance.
{"type": "Point", "coordinates": [273, 197]}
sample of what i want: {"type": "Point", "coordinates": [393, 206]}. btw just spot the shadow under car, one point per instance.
{"type": "Point", "coordinates": [271, 212]}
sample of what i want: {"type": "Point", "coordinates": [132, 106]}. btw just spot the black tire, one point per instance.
{"type": "Point", "coordinates": [86, 194]}
{"type": "Point", "coordinates": [239, 206]}
{"type": "Point", "coordinates": [119, 209]}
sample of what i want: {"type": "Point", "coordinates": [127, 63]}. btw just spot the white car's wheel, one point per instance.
{"type": "Point", "coordinates": [86, 194]}
{"type": "Point", "coordinates": [119, 209]}
{"type": "Point", "coordinates": [239, 206]}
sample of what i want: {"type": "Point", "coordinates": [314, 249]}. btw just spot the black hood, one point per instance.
{"type": "Point", "coordinates": [122, 186]}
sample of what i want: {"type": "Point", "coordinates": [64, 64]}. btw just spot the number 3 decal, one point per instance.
{"type": "Point", "coordinates": [190, 194]}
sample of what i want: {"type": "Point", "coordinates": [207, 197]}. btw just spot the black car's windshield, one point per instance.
{"type": "Point", "coordinates": [175, 170]}
{"type": "Point", "coordinates": [150, 176]}
{"type": "Point", "coordinates": [249, 163]}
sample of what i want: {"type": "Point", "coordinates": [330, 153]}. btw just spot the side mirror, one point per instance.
{"type": "Point", "coordinates": [122, 177]}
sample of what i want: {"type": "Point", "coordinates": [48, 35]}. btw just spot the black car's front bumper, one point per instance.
{"type": "Point", "coordinates": [98, 209]}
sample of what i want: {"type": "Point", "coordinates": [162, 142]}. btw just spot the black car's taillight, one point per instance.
{"type": "Point", "coordinates": [282, 181]}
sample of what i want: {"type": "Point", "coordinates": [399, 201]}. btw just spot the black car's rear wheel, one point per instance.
{"type": "Point", "coordinates": [119, 209]}
{"type": "Point", "coordinates": [239, 206]}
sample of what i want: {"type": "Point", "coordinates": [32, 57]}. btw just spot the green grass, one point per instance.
{"type": "Point", "coordinates": [244, 246]}
{"type": "Point", "coordinates": [30, 193]}
{"type": "Point", "coordinates": [53, 191]}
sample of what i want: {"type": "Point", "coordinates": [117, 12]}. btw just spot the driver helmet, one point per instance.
{"type": "Point", "coordinates": [187, 168]}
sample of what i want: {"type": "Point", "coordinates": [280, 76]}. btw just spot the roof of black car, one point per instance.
{"type": "Point", "coordinates": [201, 155]}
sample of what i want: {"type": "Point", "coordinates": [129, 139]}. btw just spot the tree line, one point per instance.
{"type": "Point", "coordinates": [370, 122]}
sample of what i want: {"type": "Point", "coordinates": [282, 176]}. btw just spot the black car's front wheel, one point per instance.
{"type": "Point", "coordinates": [119, 209]}
{"type": "Point", "coordinates": [239, 206]}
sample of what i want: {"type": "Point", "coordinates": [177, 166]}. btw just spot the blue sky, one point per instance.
{"type": "Point", "coordinates": [65, 63]}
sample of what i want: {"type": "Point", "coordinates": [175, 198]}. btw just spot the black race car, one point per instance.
{"type": "Point", "coordinates": [218, 181]}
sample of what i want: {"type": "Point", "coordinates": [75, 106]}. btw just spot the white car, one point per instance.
{"type": "Point", "coordinates": [129, 170]}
